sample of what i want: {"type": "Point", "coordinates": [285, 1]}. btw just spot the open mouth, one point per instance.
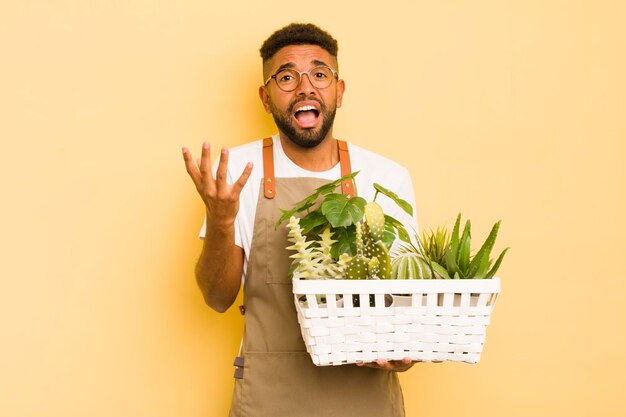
{"type": "Point", "coordinates": [307, 116]}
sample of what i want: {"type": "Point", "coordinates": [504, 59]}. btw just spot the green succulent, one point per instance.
{"type": "Point", "coordinates": [458, 263]}
{"type": "Point", "coordinates": [440, 254]}
{"type": "Point", "coordinates": [434, 244]}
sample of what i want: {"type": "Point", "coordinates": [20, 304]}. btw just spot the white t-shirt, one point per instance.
{"type": "Point", "coordinates": [372, 169]}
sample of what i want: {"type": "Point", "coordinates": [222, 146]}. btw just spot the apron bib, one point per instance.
{"type": "Point", "coordinates": [275, 376]}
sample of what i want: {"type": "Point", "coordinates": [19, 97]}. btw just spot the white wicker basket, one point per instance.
{"type": "Point", "coordinates": [346, 321]}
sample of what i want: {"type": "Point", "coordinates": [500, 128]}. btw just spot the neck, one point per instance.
{"type": "Point", "coordinates": [319, 158]}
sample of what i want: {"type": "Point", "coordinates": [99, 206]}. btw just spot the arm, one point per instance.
{"type": "Point", "coordinates": [219, 268]}
{"type": "Point", "coordinates": [218, 271]}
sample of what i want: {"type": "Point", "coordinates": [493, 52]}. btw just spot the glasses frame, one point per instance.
{"type": "Point", "coordinates": [300, 74]}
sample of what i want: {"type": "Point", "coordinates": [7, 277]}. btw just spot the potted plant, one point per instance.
{"type": "Point", "coordinates": [345, 269]}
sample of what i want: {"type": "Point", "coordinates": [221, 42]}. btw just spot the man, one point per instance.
{"type": "Point", "coordinates": [275, 375]}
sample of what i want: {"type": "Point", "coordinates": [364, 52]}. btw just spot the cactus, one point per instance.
{"type": "Point", "coordinates": [375, 220]}
{"type": "Point", "coordinates": [379, 251]}
{"type": "Point", "coordinates": [408, 264]}
{"type": "Point", "coordinates": [358, 268]}
{"type": "Point", "coordinates": [373, 267]}
{"type": "Point", "coordinates": [363, 235]}
{"type": "Point", "coordinates": [372, 258]}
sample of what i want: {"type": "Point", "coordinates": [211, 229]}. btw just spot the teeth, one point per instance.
{"type": "Point", "coordinates": [305, 108]}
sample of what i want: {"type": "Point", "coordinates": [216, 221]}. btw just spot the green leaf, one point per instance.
{"type": "Point", "coordinates": [345, 237]}
{"type": "Point", "coordinates": [310, 201]}
{"type": "Point", "coordinates": [342, 211]}
{"type": "Point", "coordinates": [493, 270]}
{"type": "Point", "coordinates": [332, 186]}
{"type": "Point", "coordinates": [451, 262]}
{"type": "Point", "coordinates": [463, 257]}
{"type": "Point", "coordinates": [485, 250]}
{"type": "Point", "coordinates": [403, 204]}
{"type": "Point", "coordinates": [482, 270]}
{"type": "Point", "coordinates": [439, 270]}
{"type": "Point", "coordinates": [312, 220]}
{"type": "Point", "coordinates": [454, 241]}
{"type": "Point", "coordinates": [400, 230]}
{"type": "Point", "coordinates": [288, 213]}
{"type": "Point", "coordinates": [389, 235]}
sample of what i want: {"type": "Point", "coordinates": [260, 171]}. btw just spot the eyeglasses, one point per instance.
{"type": "Point", "coordinates": [289, 79]}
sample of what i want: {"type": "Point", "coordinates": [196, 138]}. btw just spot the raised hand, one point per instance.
{"type": "Point", "coordinates": [220, 198]}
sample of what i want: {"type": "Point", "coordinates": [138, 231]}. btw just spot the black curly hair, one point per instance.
{"type": "Point", "coordinates": [298, 34]}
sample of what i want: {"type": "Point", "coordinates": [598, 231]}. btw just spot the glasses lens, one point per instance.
{"type": "Point", "coordinates": [321, 77]}
{"type": "Point", "coordinates": [287, 79]}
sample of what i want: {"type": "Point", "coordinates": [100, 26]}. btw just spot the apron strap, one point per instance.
{"type": "Point", "coordinates": [347, 187]}
{"type": "Point", "coordinates": [268, 168]}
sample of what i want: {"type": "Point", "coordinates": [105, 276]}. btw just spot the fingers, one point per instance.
{"type": "Point", "coordinates": [396, 366]}
{"type": "Point", "coordinates": [222, 170]}
{"type": "Point", "coordinates": [243, 179]}
{"type": "Point", "coordinates": [202, 176]}
{"type": "Point", "coordinates": [205, 167]}
{"type": "Point", "coordinates": [192, 168]}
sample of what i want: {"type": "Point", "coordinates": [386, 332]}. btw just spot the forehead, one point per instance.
{"type": "Point", "coordinates": [301, 57]}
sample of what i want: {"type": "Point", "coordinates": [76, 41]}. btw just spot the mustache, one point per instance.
{"type": "Point", "coordinates": [301, 99]}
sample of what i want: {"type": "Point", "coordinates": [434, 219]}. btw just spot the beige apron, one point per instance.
{"type": "Point", "coordinates": [275, 376]}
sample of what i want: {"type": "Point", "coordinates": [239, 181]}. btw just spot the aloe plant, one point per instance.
{"type": "Point", "coordinates": [440, 254]}
{"type": "Point", "coordinates": [457, 261]}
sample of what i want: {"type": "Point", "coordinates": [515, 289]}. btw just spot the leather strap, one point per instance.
{"type": "Point", "coordinates": [269, 190]}
{"type": "Point", "coordinates": [347, 186]}
{"type": "Point", "coordinates": [268, 168]}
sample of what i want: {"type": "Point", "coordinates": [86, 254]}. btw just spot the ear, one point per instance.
{"type": "Point", "coordinates": [341, 87]}
{"type": "Point", "coordinates": [265, 99]}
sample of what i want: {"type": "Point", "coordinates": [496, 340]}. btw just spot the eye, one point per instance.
{"type": "Point", "coordinates": [285, 76]}
{"type": "Point", "coordinates": [320, 75]}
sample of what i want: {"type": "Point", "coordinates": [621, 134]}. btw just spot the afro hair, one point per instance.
{"type": "Point", "coordinates": [298, 34]}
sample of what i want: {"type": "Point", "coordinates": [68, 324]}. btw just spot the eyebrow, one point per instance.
{"type": "Point", "coordinates": [291, 65]}
{"type": "Point", "coordinates": [318, 62]}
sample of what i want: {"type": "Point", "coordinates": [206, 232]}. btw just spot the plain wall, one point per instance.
{"type": "Point", "coordinates": [509, 110]}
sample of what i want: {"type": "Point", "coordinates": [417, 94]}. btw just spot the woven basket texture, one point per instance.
{"type": "Point", "coordinates": [347, 321]}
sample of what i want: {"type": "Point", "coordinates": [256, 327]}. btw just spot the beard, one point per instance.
{"type": "Point", "coordinates": [306, 138]}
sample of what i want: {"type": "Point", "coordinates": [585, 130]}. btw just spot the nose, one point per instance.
{"type": "Point", "coordinates": [305, 87]}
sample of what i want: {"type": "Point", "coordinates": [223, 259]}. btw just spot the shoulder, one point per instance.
{"type": "Point", "coordinates": [247, 151]}
{"type": "Point", "coordinates": [239, 156]}
{"type": "Point", "coordinates": [361, 155]}
{"type": "Point", "coordinates": [372, 164]}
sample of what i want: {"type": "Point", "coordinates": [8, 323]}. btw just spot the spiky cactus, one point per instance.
{"type": "Point", "coordinates": [375, 220]}
{"type": "Point", "coordinates": [372, 258]}
{"type": "Point", "coordinates": [409, 264]}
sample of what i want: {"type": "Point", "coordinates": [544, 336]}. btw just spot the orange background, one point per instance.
{"type": "Point", "coordinates": [509, 110]}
